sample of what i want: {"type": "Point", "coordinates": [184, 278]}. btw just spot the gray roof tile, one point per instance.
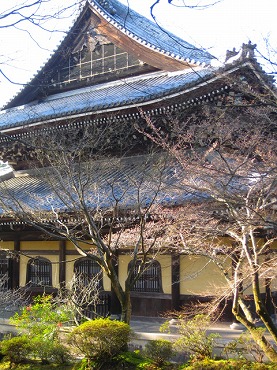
{"type": "Point", "coordinates": [120, 178]}
{"type": "Point", "coordinates": [131, 91]}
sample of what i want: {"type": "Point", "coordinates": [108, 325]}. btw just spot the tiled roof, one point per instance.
{"type": "Point", "coordinates": [119, 94]}
{"type": "Point", "coordinates": [104, 181]}
{"type": "Point", "coordinates": [137, 27]}
{"type": "Point", "coordinates": [149, 33]}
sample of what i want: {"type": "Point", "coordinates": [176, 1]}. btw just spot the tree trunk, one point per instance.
{"type": "Point", "coordinates": [126, 308]}
{"type": "Point", "coordinates": [261, 309]}
{"type": "Point", "coordinates": [125, 302]}
{"type": "Point", "coordinates": [123, 296]}
{"type": "Point", "coordinates": [262, 342]}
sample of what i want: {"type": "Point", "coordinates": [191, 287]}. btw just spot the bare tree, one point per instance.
{"type": "Point", "coordinates": [228, 158]}
{"type": "Point", "coordinates": [32, 18]}
{"type": "Point", "coordinates": [11, 299]}
{"type": "Point", "coordinates": [82, 296]}
{"type": "Point", "coordinates": [85, 187]}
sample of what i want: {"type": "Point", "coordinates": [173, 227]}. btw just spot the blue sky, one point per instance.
{"type": "Point", "coordinates": [223, 26]}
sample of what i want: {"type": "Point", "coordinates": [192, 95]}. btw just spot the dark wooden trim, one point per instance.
{"type": "Point", "coordinates": [175, 282]}
{"type": "Point", "coordinates": [73, 253]}
{"type": "Point", "coordinates": [16, 265]}
{"type": "Point", "coordinates": [62, 263]}
{"type": "Point", "coordinates": [150, 295]}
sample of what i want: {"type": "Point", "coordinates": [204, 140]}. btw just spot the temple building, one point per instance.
{"type": "Point", "coordinates": [112, 65]}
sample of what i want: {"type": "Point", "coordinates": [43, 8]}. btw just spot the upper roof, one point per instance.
{"type": "Point", "coordinates": [110, 22]}
{"type": "Point", "coordinates": [126, 93]}
{"type": "Point", "coordinates": [113, 59]}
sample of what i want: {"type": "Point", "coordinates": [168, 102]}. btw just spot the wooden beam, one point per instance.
{"type": "Point", "coordinates": [16, 266]}
{"type": "Point", "coordinates": [62, 263]}
{"type": "Point", "coordinates": [175, 282]}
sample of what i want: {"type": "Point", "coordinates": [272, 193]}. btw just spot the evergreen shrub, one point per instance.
{"type": "Point", "coordinates": [16, 349]}
{"type": "Point", "coordinates": [194, 338]}
{"type": "Point", "coordinates": [101, 339]}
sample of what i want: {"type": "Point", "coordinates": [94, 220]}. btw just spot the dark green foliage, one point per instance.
{"type": "Point", "coordinates": [132, 361]}
{"type": "Point", "coordinates": [125, 360]}
{"type": "Point", "coordinates": [159, 351]}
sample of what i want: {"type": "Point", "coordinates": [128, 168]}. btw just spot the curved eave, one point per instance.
{"type": "Point", "coordinates": [90, 109]}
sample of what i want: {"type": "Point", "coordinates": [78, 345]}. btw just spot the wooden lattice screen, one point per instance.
{"type": "Point", "coordinates": [39, 272]}
{"type": "Point", "coordinates": [84, 64]}
{"type": "Point", "coordinates": [150, 280]}
{"type": "Point", "coordinates": [88, 269]}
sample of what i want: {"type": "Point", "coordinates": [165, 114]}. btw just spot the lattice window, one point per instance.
{"type": "Point", "coordinates": [103, 59]}
{"type": "Point", "coordinates": [39, 272]}
{"type": "Point", "coordinates": [89, 269]}
{"type": "Point", "coordinates": [151, 278]}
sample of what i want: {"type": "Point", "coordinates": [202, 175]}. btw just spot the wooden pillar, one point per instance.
{"type": "Point", "coordinates": [175, 282]}
{"type": "Point", "coordinates": [15, 265]}
{"type": "Point", "coordinates": [62, 263]}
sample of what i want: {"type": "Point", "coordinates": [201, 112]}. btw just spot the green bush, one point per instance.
{"type": "Point", "coordinates": [41, 323]}
{"type": "Point", "coordinates": [159, 351]}
{"type": "Point", "coordinates": [16, 349]}
{"type": "Point", "coordinates": [132, 360]}
{"type": "Point", "coordinates": [125, 360]}
{"type": "Point", "coordinates": [194, 339]}
{"type": "Point", "coordinates": [101, 339]}
{"type": "Point", "coordinates": [22, 348]}
{"type": "Point", "coordinates": [49, 351]}
{"type": "Point", "coordinates": [245, 346]}
{"type": "Point", "coordinates": [227, 365]}
{"type": "Point", "coordinates": [43, 318]}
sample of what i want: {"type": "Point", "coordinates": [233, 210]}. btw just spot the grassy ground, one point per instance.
{"type": "Point", "coordinates": [205, 364]}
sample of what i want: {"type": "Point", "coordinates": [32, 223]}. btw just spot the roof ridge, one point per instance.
{"type": "Point", "coordinates": [106, 7]}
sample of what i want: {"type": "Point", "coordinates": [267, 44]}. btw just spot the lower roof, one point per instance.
{"type": "Point", "coordinates": [103, 184]}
